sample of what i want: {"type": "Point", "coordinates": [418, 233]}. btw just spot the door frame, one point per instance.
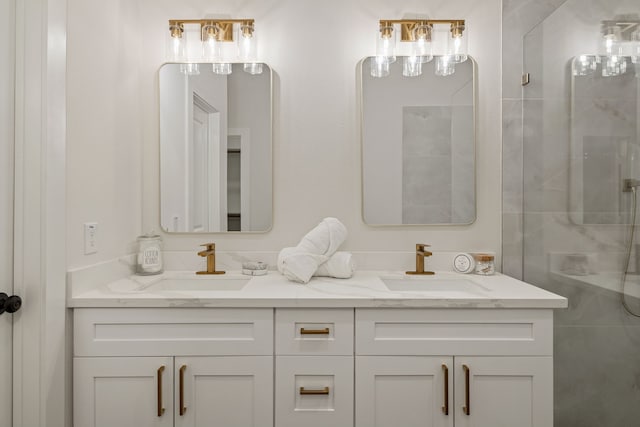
{"type": "Point", "coordinates": [41, 369]}
{"type": "Point", "coordinates": [7, 107]}
{"type": "Point", "coordinates": [245, 175]}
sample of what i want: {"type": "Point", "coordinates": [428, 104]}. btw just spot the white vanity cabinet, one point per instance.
{"type": "Point", "coordinates": [173, 367]}
{"type": "Point", "coordinates": [313, 367]}
{"type": "Point", "coordinates": [455, 367]}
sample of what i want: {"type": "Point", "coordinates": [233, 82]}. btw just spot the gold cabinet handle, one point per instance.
{"type": "Point", "coordinates": [445, 408]}
{"type": "Point", "coordinates": [160, 407]}
{"type": "Point", "coordinates": [303, 391]}
{"type": "Point", "coordinates": [304, 331]}
{"type": "Point", "coordinates": [183, 408]}
{"type": "Point", "coordinates": [467, 405]}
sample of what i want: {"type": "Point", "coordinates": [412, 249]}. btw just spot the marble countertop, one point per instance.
{"type": "Point", "coordinates": [364, 289]}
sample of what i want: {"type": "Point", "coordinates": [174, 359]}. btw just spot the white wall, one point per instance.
{"type": "Point", "coordinates": [313, 48]}
{"type": "Point", "coordinates": [105, 125]}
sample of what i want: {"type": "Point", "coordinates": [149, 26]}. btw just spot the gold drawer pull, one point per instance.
{"type": "Point", "coordinates": [183, 408]}
{"type": "Point", "coordinates": [304, 331]}
{"type": "Point", "coordinates": [308, 392]}
{"type": "Point", "coordinates": [467, 405]}
{"type": "Point", "coordinates": [160, 407]}
{"type": "Point", "coordinates": [445, 408]}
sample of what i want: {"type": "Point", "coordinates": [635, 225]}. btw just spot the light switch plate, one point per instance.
{"type": "Point", "coordinates": [90, 238]}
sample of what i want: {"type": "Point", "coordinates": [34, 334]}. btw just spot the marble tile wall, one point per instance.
{"type": "Point", "coordinates": [596, 343]}
{"type": "Point", "coordinates": [437, 165]}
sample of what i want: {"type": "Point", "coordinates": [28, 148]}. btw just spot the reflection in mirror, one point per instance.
{"type": "Point", "coordinates": [605, 137]}
{"type": "Point", "coordinates": [215, 149]}
{"type": "Point", "coordinates": [418, 146]}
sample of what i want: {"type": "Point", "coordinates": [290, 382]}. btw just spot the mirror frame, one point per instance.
{"type": "Point", "coordinates": [271, 175]}
{"type": "Point", "coordinates": [360, 106]}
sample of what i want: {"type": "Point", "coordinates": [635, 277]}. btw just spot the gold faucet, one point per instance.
{"type": "Point", "coordinates": [421, 253]}
{"type": "Point", "coordinates": [210, 253]}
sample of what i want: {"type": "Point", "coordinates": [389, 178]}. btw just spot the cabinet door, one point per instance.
{"type": "Point", "coordinates": [504, 391]}
{"type": "Point", "coordinates": [123, 391]}
{"type": "Point", "coordinates": [407, 391]}
{"type": "Point", "coordinates": [224, 391]}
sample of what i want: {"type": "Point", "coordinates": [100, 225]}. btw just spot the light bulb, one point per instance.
{"type": "Point", "coordinates": [457, 43]}
{"type": "Point", "coordinates": [421, 46]}
{"type": "Point", "coordinates": [611, 41]}
{"type": "Point", "coordinates": [176, 44]}
{"type": "Point", "coordinates": [252, 67]}
{"type": "Point", "coordinates": [211, 47]}
{"type": "Point", "coordinates": [222, 68]}
{"type": "Point", "coordinates": [445, 66]}
{"type": "Point", "coordinates": [386, 43]}
{"type": "Point", "coordinates": [247, 44]}
{"type": "Point", "coordinates": [411, 66]}
{"type": "Point", "coordinates": [379, 66]}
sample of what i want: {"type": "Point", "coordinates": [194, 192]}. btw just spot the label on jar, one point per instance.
{"type": "Point", "coordinates": [150, 257]}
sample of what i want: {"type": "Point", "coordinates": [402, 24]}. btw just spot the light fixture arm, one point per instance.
{"type": "Point", "coordinates": [408, 26]}
{"type": "Point", "coordinates": [221, 29]}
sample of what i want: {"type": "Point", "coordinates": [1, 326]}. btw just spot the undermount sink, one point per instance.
{"type": "Point", "coordinates": [435, 285]}
{"type": "Point", "coordinates": [199, 284]}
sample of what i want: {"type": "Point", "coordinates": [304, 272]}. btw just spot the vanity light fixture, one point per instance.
{"type": "Point", "coordinates": [418, 34]}
{"type": "Point", "coordinates": [215, 38]}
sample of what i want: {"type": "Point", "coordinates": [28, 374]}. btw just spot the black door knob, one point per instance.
{"type": "Point", "coordinates": [10, 304]}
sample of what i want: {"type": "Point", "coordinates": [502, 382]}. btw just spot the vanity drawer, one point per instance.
{"type": "Point", "coordinates": [314, 391]}
{"type": "Point", "coordinates": [476, 332]}
{"type": "Point", "coordinates": [314, 331]}
{"type": "Point", "coordinates": [172, 331]}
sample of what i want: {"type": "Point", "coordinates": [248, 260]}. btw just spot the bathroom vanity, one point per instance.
{"type": "Point", "coordinates": [380, 349]}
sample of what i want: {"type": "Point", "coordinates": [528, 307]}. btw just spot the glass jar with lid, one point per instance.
{"type": "Point", "coordinates": [485, 264]}
{"type": "Point", "coordinates": [149, 260]}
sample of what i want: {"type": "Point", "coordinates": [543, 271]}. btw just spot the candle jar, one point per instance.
{"type": "Point", "coordinates": [485, 264]}
{"type": "Point", "coordinates": [149, 260]}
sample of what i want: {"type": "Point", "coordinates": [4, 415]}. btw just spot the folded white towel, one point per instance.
{"type": "Point", "coordinates": [315, 248]}
{"type": "Point", "coordinates": [341, 266]}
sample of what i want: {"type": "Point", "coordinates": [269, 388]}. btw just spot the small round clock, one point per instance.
{"type": "Point", "coordinates": [464, 263]}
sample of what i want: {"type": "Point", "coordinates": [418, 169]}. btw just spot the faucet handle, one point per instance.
{"type": "Point", "coordinates": [210, 246]}
{"type": "Point", "coordinates": [421, 246]}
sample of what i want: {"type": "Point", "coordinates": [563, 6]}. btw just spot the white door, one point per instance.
{"type": "Point", "coordinates": [123, 391]}
{"type": "Point", "coordinates": [407, 391]}
{"type": "Point", "coordinates": [207, 210]}
{"type": "Point", "coordinates": [199, 179]}
{"type": "Point", "coordinates": [7, 71]}
{"type": "Point", "coordinates": [224, 391]}
{"type": "Point", "coordinates": [503, 391]}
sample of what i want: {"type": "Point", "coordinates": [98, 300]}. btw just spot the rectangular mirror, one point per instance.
{"type": "Point", "coordinates": [418, 145]}
{"type": "Point", "coordinates": [605, 138]}
{"type": "Point", "coordinates": [215, 149]}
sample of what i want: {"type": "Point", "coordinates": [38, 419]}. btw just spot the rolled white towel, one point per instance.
{"type": "Point", "coordinates": [315, 248]}
{"type": "Point", "coordinates": [341, 265]}
{"type": "Point", "coordinates": [325, 238]}
{"type": "Point", "coordinates": [298, 266]}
